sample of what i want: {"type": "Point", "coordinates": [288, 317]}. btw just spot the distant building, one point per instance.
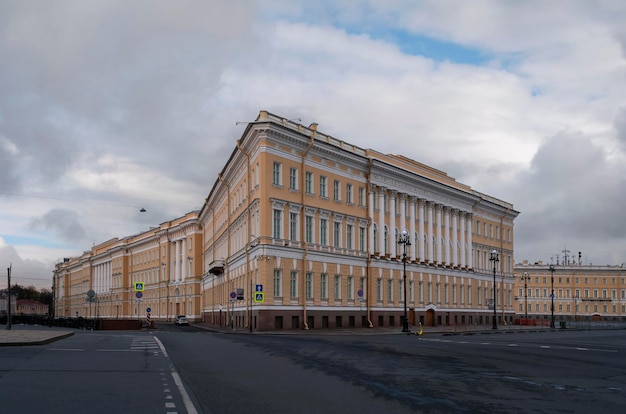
{"type": "Point", "coordinates": [166, 259]}
{"type": "Point", "coordinates": [4, 303]}
{"type": "Point", "coordinates": [581, 292]}
{"type": "Point", "coordinates": [30, 307]}
{"type": "Point", "coordinates": [300, 231]}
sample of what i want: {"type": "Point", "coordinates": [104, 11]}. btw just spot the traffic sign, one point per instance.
{"type": "Point", "coordinates": [233, 295]}
{"type": "Point", "coordinates": [148, 310]}
{"type": "Point", "coordinates": [138, 295]}
{"type": "Point", "coordinates": [360, 293]}
{"type": "Point", "coordinates": [259, 297]}
{"type": "Point", "coordinates": [259, 288]}
{"type": "Point", "coordinates": [552, 295]}
{"type": "Point", "coordinates": [138, 287]}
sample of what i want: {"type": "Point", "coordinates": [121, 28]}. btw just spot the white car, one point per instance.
{"type": "Point", "coordinates": [181, 320]}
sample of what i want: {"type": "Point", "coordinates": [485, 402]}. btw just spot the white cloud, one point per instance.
{"type": "Point", "coordinates": [106, 107]}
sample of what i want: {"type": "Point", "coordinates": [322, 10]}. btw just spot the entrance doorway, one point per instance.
{"type": "Point", "coordinates": [430, 317]}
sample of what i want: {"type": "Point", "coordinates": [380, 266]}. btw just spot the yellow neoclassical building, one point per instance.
{"type": "Point", "coordinates": [165, 260]}
{"type": "Point", "coordinates": [569, 291]}
{"type": "Point", "coordinates": [300, 231]}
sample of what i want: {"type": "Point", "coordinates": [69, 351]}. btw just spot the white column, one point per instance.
{"type": "Point", "coordinates": [430, 235]}
{"type": "Point", "coordinates": [470, 247]}
{"type": "Point", "coordinates": [462, 242]}
{"type": "Point", "coordinates": [420, 206]}
{"type": "Point", "coordinates": [392, 224]}
{"type": "Point", "coordinates": [414, 241]}
{"type": "Point", "coordinates": [446, 234]}
{"type": "Point", "coordinates": [439, 249]}
{"type": "Point", "coordinates": [183, 258]}
{"type": "Point", "coordinates": [381, 221]}
{"type": "Point", "coordinates": [371, 214]}
{"type": "Point", "coordinates": [403, 214]}
{"type": "Point", "coordinates": [177, 261]}
{"type": "Point", "coordinates": [455, 245]}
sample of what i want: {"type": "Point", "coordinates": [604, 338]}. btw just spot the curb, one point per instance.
{"type": "Point", "coordinates": [38, 342]}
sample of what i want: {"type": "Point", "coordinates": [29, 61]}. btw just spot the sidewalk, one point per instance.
{"type": "Point", "coordinates": [395, 330]}
{"type": "Point", "coordinates": [21, 335]}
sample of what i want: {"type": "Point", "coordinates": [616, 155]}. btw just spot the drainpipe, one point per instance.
{"type": "Point", "coordinates": [368, 269]}
{"type": "Point", "coordinates": [305, 253]}
{"type": "Point", "coordinates": [248, 236]}
{"type": "Point", "coordinates": [502, 262]}
{"type": "Point", "coordinates": [227, 258]}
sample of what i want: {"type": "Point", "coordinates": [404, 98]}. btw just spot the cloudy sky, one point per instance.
{"type": "Point", "coordinates": [110, 106]}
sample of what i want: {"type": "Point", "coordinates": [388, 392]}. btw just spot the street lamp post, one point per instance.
{"type": "Point", "coordinates": [552, 295]}
{"type": "Point", "coordinates": [494, 259]}
{"type": "Point", "coordinates": [404, 241]}
{"type": "Point", "coordinates": [525, 296]}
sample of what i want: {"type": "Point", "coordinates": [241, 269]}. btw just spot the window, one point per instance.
{"type": "Point", "coordinates": [277, 225]}
{"type": "Point", "coordinates": [379, 289]}
{"type": "Point", "coordinates": [323, 231]}
{"type": "Point", "coordinates": [337, 190]}
{"type": "Point", "coordinates": [349, 199]}
{"type": "Point", "coordinates": [308, 229]}
{"type": "Point", "coordinates": [293, 226]}
{"type": "Point", "coordinates": [362, 235]}
{"type": "Point", "coordinates": [293, 178]}
{"type": "Point", "coordinates": [293, 284]}
{"type": "Point", "coordinates": [323, 187]}
{"type": "Point", "coordinates": [337, 234]}
{"type": "Point", "coordinates": [276, 173]}
{"type": "Point", "coordinates": [308, 182]}
{"type": "Point", "coordinates": [350, 287]}
{"type": "Point", "coordinates": [277, 283]}
{"type": "Point", "coordinates": [349, 231]}
{"type": "Point", "coordinates": [390, 290]}
{"type": "Point", "coordinates": [337, 287]}
{"type": "Point", "coordinates": [361, 196]}
{"type": "Point", "coordinates": [309, 285]}
{"type": "Point", "coordinates": [324, 286]}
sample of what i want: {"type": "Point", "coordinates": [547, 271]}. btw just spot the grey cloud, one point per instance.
{"type": "Point", "coordinates": [64, 223]}
{"type": "Point", "coordinates": [25, 272]}
{"type": "Point", "coordinates": [138, 80]}
{"type": "Point", "coordinates": [569, 197]}
{"type": "Point", "coordinates": [620, 126]}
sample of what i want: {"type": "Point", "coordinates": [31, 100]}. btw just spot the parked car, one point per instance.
{"type": "Point", "coordinates": [181, 320]}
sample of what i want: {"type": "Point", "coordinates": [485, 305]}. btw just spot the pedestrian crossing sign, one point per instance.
{"type": "Point", "coordinates": [138, 287]}
{"type": "Point", "coordinates": [259, 297]}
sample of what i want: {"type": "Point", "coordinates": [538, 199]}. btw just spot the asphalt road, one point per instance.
{"type": "Point", "coordinates": [90, 372]}
{"type": "Point", "coordinates": [556, 372]}
{"type": "Point", "coordinates": [185, 369]}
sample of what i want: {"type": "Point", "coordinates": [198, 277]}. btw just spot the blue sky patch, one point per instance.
{"type": "Point", "coordinates": [431, 48]}
{"type": "Point", "coordinates": [31, 241]}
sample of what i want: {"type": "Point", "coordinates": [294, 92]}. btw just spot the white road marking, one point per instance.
{"type": "Point", "coordinates": [191, 409]}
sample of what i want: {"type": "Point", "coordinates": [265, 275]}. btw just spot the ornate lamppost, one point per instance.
{"type": "Point", "coordinates": [526, 277]}
{"type": "Point", "coordinates": [404, 241]}
{"type": "Point", "coordinates": [494, 259]}
{"type": "Point", "coordinates": [552, 295]}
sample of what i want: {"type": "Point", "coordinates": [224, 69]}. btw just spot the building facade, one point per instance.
{"type": "Point", "coordinates": [580, 292]}
{"type": "Point", "coordinates": [301, 231]}
{"type": "Point", "coordinates": [310, 224]}
{"type": "Point", "coordinates": [165, 260]}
